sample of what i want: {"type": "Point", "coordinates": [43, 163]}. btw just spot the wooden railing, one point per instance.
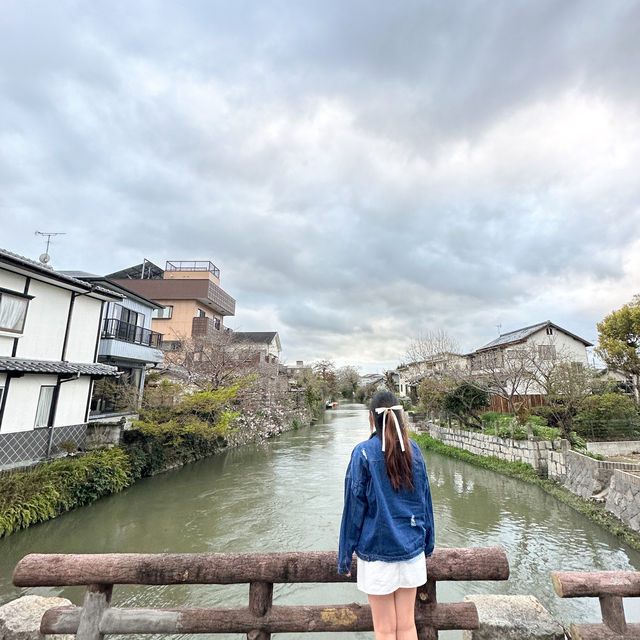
{"type": "Point", "coordinates": [610, 587]}
{"type": "Point", "coordinates": [100, 572]}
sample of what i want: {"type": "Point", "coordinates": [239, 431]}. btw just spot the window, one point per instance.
{"type": "Point", "coordinates": [44, 406]}
{"type": "Point", "coordinates": [202, 313]}
{"type": "Point", "coordinates": [549, 331]}
{"type": "Point", "coordinates": [13, 311]}
{"type": "Point", "coordinates": [167, 312]}
{"type": "Point", "coordinates": [131, 317]}
{"type": "Point", "coordinates": [547, 351]}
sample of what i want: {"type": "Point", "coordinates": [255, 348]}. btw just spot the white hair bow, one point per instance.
{"type": "Point", "coordinates": [386, 411]}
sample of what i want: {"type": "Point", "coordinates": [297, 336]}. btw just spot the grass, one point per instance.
{"type": "Point", "coordinates": [595, 511]}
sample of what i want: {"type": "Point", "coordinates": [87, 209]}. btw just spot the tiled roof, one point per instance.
{"type": "Point", "coordinates": [25, 365]}
{"type": "Point", "coordinates": [255, 336]}
{"type": "Point", "coordinates": [51, 273]}
{"type": "Point", "coordinates": [520, 335]}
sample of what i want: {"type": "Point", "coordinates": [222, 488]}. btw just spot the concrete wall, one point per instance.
{"type": "Point", "coordinates": [612, 482]}
{"type": "Point", "coordinates": [104, 434]}
{"type": "Point", "coordinates": [591, 478]}
{"type": "Point", "coordinates": [623, 499]}
{"type": "Point", "coordinates": [622, 448]}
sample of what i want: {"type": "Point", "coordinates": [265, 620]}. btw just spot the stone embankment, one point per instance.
{"type": "Point", "coordinates": [616, 484]}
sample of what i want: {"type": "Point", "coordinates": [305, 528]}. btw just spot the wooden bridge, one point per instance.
{"type": "Point", "coordinates": [101, 572]}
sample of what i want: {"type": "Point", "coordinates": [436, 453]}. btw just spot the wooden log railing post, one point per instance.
{"type": "Point", "coordinates": [260, 619]}
{"type": "Point", "coordinates": [97, 599]}
{"type": "Point", "coordinates": [613, 613]}
{"type": "Point", "coordinates": [260, 601]}
{"type": "Point", "coordinates": [609, 587]}
{"type": "Point", "coordinates": [426, 603]}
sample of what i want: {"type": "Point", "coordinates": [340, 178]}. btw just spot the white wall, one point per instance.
{"type": "Point", "coordinates": [72, 401]}
{"type": "Point", "coordinates": [84, 329]}
{"type": "Point", "coordinates": [46, 323]}
{"type": "Point", "coordinates": [22, 402]}
{"type": "Point", "coordinates": [567, 348]}
{"type": "Point", "coordinates": [14, 282]}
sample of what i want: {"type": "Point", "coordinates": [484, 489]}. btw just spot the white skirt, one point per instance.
{"type": "Point", "coordinates": [379, 578]}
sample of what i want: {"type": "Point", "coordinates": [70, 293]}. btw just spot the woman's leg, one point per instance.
{"type": "Point", "coordinates": [383, 611]}
{"type": "Point", "coordinates": [405, 602]}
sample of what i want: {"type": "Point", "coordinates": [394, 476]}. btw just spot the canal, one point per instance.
{"type": "Point", "coordinates": [286, 494]}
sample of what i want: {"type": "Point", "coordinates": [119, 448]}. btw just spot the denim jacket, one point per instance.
{"type": "Point", "coordinates": [379, 523]}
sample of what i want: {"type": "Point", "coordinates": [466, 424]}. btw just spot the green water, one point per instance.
{"type": "Point", "coordinates": [286, 495]}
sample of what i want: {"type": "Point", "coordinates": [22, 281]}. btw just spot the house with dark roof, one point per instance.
{"type": "Point", "coordinates": [550, 342]}
{"type": "Point", "coordinates": [265, 343]}
{"type": "Point", "coordinates": [526, 353]}
{"type": "Point", "coordinates": [49, 339]}
{"type": "Point", "coordinates": [126, 342]}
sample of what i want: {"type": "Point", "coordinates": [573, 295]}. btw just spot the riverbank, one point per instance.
{"type": "Point", "coordinates": [595, 511]}
{"type": "Point", "coordinates": [53, 488]}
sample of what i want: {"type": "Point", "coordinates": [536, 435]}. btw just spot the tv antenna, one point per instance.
{"type": "Point", "coordinates": [499, 327]}
{"type": "Point", "coordinates": [45, 257]}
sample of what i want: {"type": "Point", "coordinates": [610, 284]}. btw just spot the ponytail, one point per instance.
{"type": "Point", "coordinates": [398, 462]}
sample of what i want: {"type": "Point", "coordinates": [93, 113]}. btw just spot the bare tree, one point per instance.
{"type": "Point", "coordinates": [505, 373]}
{"type": "Point", "coordinates": [210, 361]}
{"type": "Point", "coordinates": [432, 346]}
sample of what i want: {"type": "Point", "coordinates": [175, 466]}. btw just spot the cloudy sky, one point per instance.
{"type": "Point", "coordinates": [360, 171]}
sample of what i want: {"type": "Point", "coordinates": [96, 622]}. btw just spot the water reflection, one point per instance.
{"type": "Point", "coordinates": [286, 494]}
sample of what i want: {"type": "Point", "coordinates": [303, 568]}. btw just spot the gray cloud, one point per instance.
{"type": "Point", "coordinates": [359, 171]}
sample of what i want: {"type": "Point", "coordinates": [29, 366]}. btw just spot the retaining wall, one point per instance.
{"type": "Point", "coordinates": [621, 448]}
{"type": "Point", "coordinates": [591, 478]}
{"type": "Point", "coordinates": [611, 482]}
{"type": "Point", "coordinates": [623, 499]}
{"type": "Point", "coordinates": [535, 451]}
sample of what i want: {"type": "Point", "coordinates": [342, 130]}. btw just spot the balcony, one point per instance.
{"type": "Point", "coordinates": [193, 265]}
{"type": "Point", "coordinates": [115, 329]}
{"type": "Point", "coordinates": [201, 326]}
{"type": "Point", "coordinates": [221, 300]}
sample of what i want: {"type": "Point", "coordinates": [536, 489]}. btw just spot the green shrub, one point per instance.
{"type": "Point", "coordinates": [35, 496]}
{"type": "Point", "coordinates": [494, 416]}
{"type": "Point", "coordinates": [607, 416]}
{"type": "Point", "coordinates": [544, 432]}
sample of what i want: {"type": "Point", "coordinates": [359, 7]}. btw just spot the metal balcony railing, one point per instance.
{"type": "Point", "coordinates": [115, 329]}
{"type": "Point", "coordinates": [192, 265]}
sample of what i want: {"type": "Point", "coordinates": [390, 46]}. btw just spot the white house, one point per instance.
{"type": "Point", "coordinates": [266, 344]}
{"type": "Point", "coordinates": [126, 342]}
{"type": "Point", "coordinates": [49, 339]}
{"type": "Point", "coordinates": [529, 350]}
{"type": "Point", "coordinates": [408, 376]}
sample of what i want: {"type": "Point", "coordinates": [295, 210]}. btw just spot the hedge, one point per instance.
{"type": "Point", "coordinates": [29, 497]}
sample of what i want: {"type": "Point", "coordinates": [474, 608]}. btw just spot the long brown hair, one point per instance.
{"type": "Point", "coordinates": [398, 462]}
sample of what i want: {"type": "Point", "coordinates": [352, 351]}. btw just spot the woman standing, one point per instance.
{"type": "Point", "coordinates": [387, 520]}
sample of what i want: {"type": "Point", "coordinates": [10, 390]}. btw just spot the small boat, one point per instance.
{"type": "Point", "coordinates": [330, 405]}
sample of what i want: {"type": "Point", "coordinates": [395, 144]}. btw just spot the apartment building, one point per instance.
{"type": "Point", "coordinates": [193, 302]}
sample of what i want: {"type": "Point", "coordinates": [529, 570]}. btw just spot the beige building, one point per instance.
{"type": "Point", "coordinates": [194, 303]}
